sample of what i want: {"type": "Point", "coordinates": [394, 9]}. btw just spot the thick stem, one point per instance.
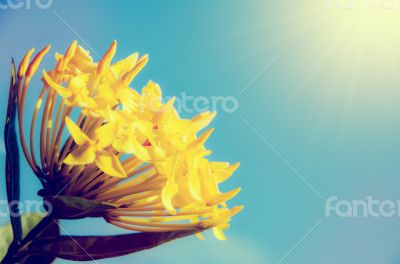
{"type": "Point", "coordinates": [17, 252]}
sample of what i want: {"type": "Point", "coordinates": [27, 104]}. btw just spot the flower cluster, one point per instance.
{"type": "Point", "coordinates": [102, 140]}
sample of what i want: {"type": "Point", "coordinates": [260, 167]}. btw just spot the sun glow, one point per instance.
{"type": "Point", "coordinates": [345, 59]}
{"type": "Point", "coordinates": [368, 23]}
{"type": "Point", "coordinates": [363, 41]}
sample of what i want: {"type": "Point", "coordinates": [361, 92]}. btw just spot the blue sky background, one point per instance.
{"type": "Point", "coordinates": [319, 117]}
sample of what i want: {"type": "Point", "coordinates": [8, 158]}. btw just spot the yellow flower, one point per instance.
{"type": "Point", "coordinates": [111, 143]}
{"type": "Point", "coordinates": [92, 150]}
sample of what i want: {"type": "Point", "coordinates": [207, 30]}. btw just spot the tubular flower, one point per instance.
{"type": "Point", "coordinates": [104, 141]}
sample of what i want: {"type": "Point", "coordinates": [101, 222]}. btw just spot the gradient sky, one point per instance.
{"type": "Point", "coordinates": [318, 88]}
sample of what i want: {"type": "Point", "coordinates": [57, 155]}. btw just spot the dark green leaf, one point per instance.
{"type": "Point", "coordinates": [87, 248]}
{"type": "Point", "coordinates": [52, 230]}
{"type": "Point", "coordinates": [12, 159]}
{"type": "Point", "coordinates": [72, 207]}
{"type": "Point", "coordinates": [28, 222]}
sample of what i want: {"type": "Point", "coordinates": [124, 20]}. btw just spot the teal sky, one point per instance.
{"type": "Point", "coordinates": [319, 98]}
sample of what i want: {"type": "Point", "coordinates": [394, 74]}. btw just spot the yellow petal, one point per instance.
{"type": "Point", "coordinates": [105, 134]}
{"type": "Point", "coordinates": [145, 128]}
{"type": "Point", "coordinates": [218, 233]}
{"type": "Point", "coordinates": [194, 180]}
{"type": "Point", "coordinates": [167, 194]}
{"type": "Point", "coordinates": [198, 142]}
{"type": "Point", "coordinates": [129, 76]}
{"type": "Point", "coordinates": [130, 145]}
{"type": "Point", "coordinates": [83, 101]}
{"type": "Point", "coordinates": [152, 90]}
{"type": "Point", "coordinates": [106, 60]}
{"type": "Point", "coordinates": [79, 82]}
{"type": "Point", "coordinates": [224, 174]}
{"type": "Point", "coordinates": [157, 153]}
{"type": "Point", "coordinates": [200, 236]}
{"type": "Point", "coordinates": [223, 197]}
{"type": "Point", "coordinates": [81, 156]}
{"type": "Point", "coordinates": [76, 132]}
{"type": "Point", "coordinates": [64, 92]}
{"type": "Point", "coordinates": [123, 66]}
{"type": "Point", "coordinates": [129, 99]}
{"type": "Point", "coordinates": [110, 164]}
{"type": "Point", "coordinates": [237, 209]}
{"type": "Point", "coordinates": [82, 55]}
{"type": "Point", "coordinates": [202, 120]}
{"type": "Point", "coordinates": [58, 56]}
{"type": "Point", "coordinates": [83, 61]}
{"type": "Point", "coordinates": [71, 50]}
